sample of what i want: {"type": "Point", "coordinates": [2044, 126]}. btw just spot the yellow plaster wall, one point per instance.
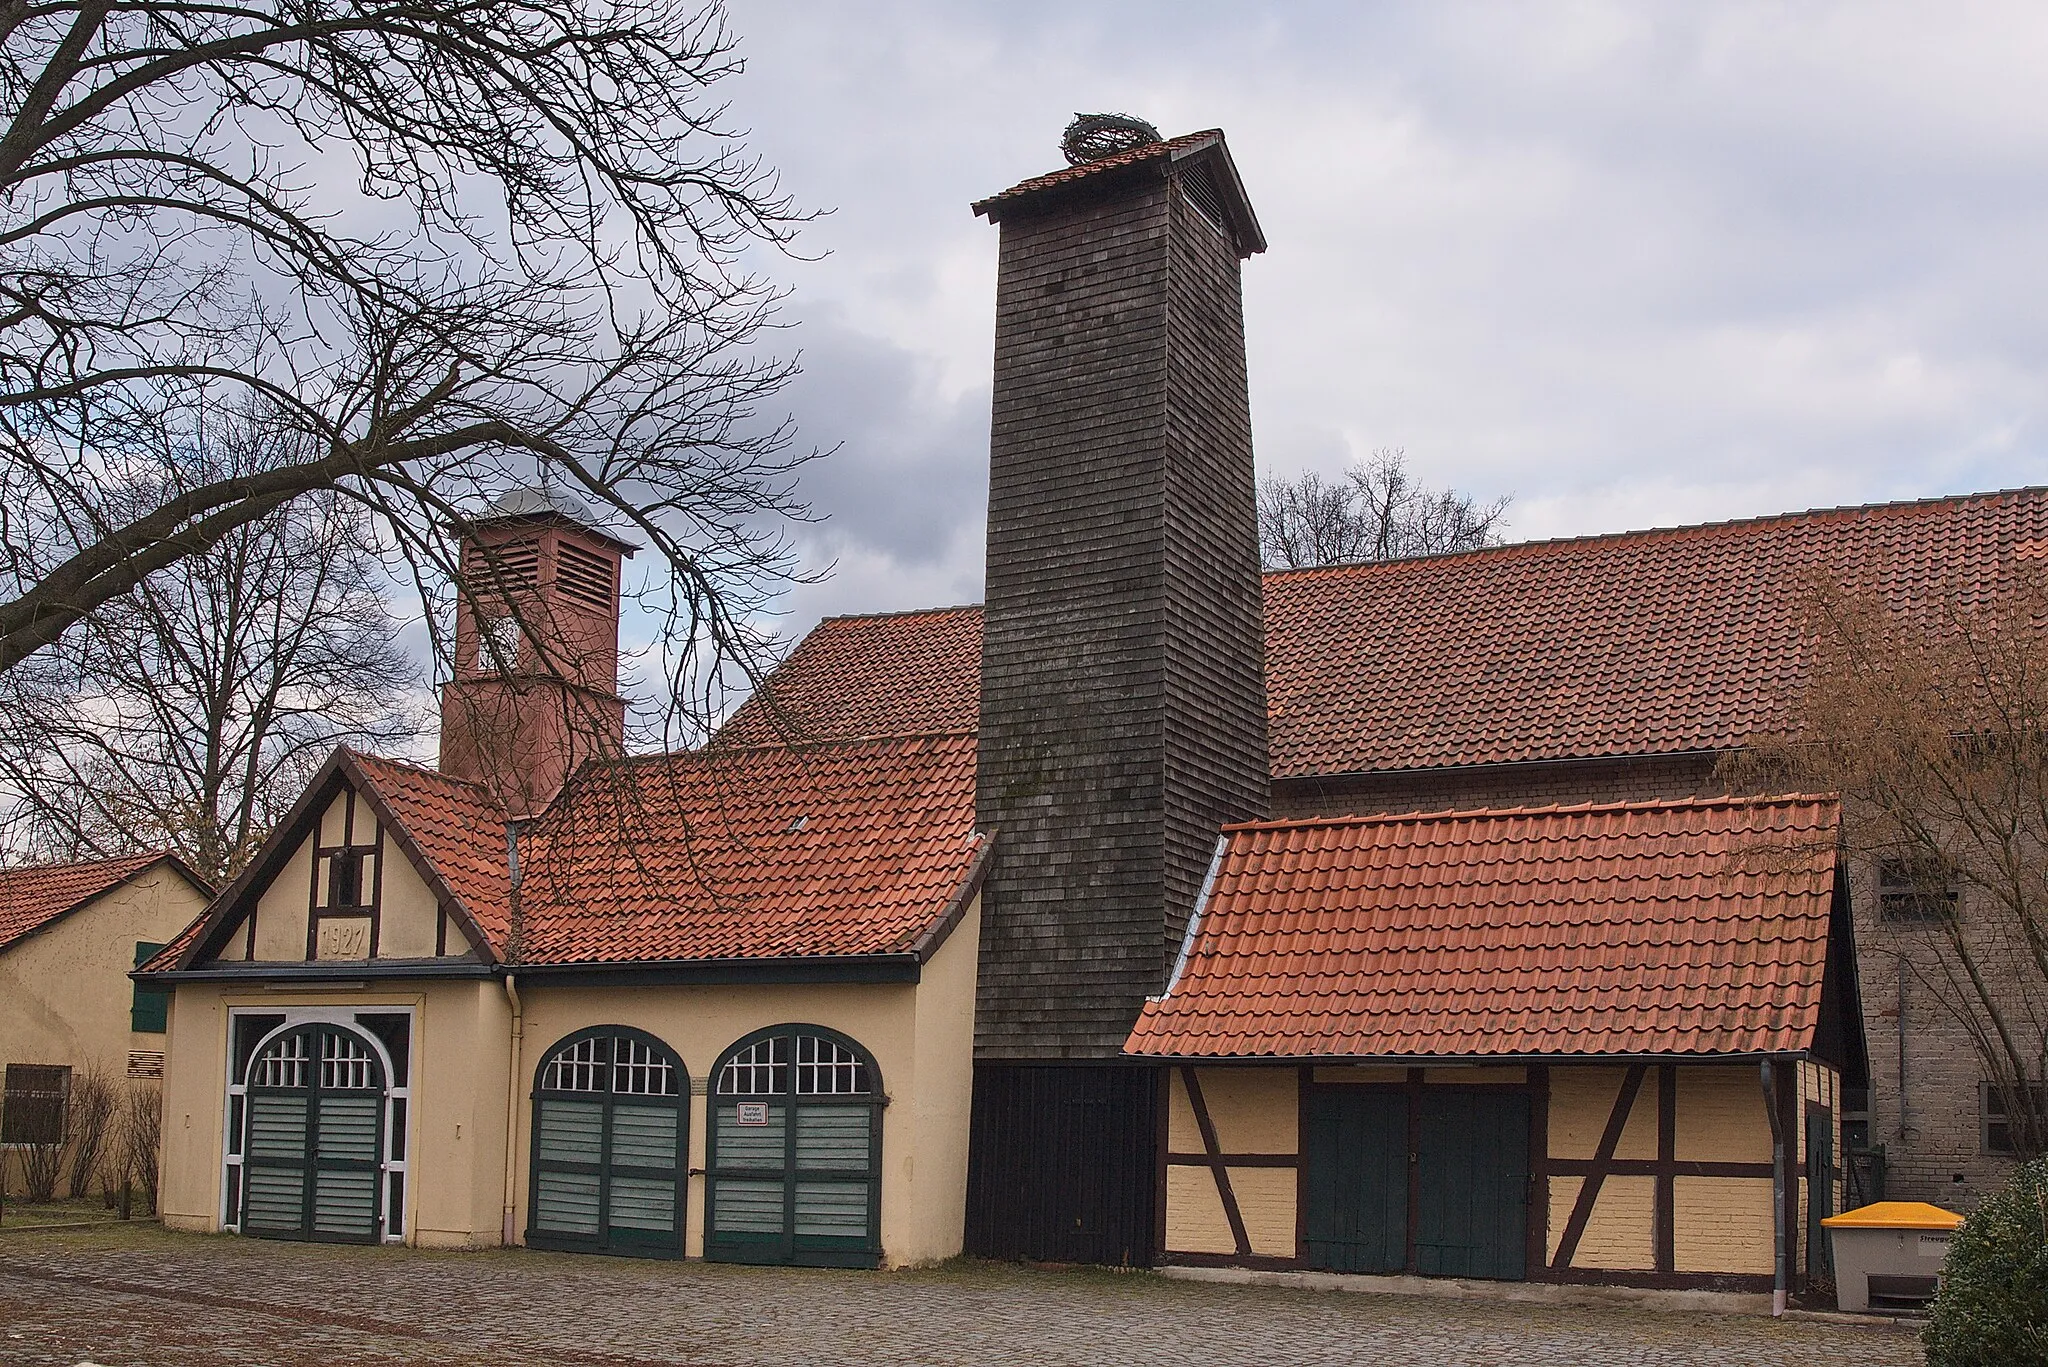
{"type": "Point", "coordinates": [1254, 1110]}
{"type": "Point", "coordinates": [1620, 1232]}
{"type": "Point", "coordinates": [1721, 1115]}
{"type": "Point", "coordinates": [456, 1126]}
{"type": "Point", "coordinates": [1195, 1222]}
{"type": "Point", "coordinates": [409, 914]}
{"type": "Point", "coordinates": [1475, 1077]}
{"type": "Point", "coordinates": [64, 990]}
{"type": "Point", "coordinates": [281, 910]}
{"type": "Point", "coordinates": [1266, 1203]}
{"type": "Point", "coordinates": [1722, 1224]}
{"type": "Point", "coordinates": [1349, 1073]}
{"type": "Point", "coordinates": [1582, 1099]}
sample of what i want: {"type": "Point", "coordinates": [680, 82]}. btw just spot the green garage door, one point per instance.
{"type": "Point", "coordinates": [610, 1137]}
{"type": "Point", "coordinates": [316, 1130]}
{"type": "Point", "coordinates": [795, 1152]}
{"type": "Point", "coordinates": [1472, 1168]}
{"type": "Point", "coordinates": [1358, 1179]}
{"type": "Point", "coordinates": [1468, 1170]}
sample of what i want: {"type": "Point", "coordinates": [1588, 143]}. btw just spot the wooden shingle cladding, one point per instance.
{"type": "Point", "coordinates": [1122, 710]}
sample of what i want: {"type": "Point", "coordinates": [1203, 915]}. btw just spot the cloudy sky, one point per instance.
{"type": "Point", "coordinates": [1635, 264]}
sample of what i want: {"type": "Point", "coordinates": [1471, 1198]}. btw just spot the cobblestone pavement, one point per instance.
{"type": "Point", "coordinates": [137, 1296]}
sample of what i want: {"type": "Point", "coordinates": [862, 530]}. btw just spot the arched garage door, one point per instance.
{"type": "Point", "coordinates": [315, 1142]}
{"type": "Point", "coordinates": [610, 1145]}
{"type": "Point", "coordinates": [796, 1151]}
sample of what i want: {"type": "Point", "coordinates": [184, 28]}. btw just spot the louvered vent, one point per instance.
{"type": "Point", "coordinates": [583, 575]}
{"type": "Point", "coordinates": [1200, 189]}
{"type": "Point", "coordinates": [505, 567]}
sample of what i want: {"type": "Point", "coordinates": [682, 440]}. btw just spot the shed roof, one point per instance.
{"type": "Point", "coordinates": [1695, 927]}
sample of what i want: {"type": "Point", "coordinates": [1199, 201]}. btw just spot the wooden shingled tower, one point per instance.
{"type": "Point", "coordinates": [1122, 702]}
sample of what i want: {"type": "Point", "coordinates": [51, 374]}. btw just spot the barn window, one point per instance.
{"type": "Point", "coordinates": [1917, 889]}
{"type": "Point", "coordinates": [795, 1151]}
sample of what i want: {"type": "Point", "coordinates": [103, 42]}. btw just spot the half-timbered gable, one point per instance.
{"type": "Point", "coordinates": [346, 879]}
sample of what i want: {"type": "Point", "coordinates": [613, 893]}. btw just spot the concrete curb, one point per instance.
{"type": "Point", "coordinates": [1525, 1293]}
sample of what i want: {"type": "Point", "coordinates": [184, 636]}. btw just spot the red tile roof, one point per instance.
{"type": "Point", "coordinates": [32, 897]}
{"type": "Point", "coordinates": [1659, 928]}
{"type": "Point", "coordinates": [459, 828]}
{"type": "Point", "coordinates": [893, 674]}
{"type": "Point", "coordinates": [1638, 643]}
{"type": "Point", "coordinates": [1073, 175]}
{"type": "Point", "coordinates": [755, 852]}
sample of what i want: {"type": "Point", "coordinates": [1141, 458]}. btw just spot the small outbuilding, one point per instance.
{"type": "Point", "coordinates": [1560, 1044]}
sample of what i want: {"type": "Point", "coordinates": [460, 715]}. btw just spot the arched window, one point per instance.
{"type": "Point", "coordinates": [795, 1156]}
{"type": "Point", "coordinates": [610, 1145]}
{"type": "Point", "coordinates": [313, 1154]}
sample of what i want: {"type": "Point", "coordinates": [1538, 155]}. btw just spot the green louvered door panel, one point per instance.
{"type": "Point", "coordinates": [834, 1182]}
{"type": "Point", "coordinates": [345, 1166]}
{"type": "Point", "coordinates": [568, 1155]}
{"type": "Point", "coordinates": [645, 1173]}
{"type": "Point", "coordinates": [313, 1164]}
{"type": "Point", "coordinates": [274, 1169]}
{"type": "Point", "coordinates": [609, 1168]}
{"type": "Point", "coordinates": [749, 1191]}
{"type": "Point", "coordinates": [1357, 1216]}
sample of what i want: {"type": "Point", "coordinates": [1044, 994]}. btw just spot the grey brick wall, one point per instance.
{"type": "Point", "coordinates": [1122, 707]}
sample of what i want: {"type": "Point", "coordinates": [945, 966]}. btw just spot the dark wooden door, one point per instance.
{"type": "Point", "coordinates": [1472, 1187]}
{"type": "Point", "coordinates": [312, 1156]}
{"type": "Point", "coordinates": [1820, 1188]}
{"type": "Point", "coordinates": [1357, 1179]}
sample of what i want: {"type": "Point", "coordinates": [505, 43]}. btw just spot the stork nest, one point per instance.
{"type": "Point", "coordinates": [1091, 137]}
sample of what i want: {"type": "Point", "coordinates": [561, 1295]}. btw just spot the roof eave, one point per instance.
{"type": "Point", "coordinates": [820, 968]}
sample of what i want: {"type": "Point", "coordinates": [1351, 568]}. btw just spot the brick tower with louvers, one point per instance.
{"type": "Point", "coordinates": [1122, 696]}
{"type": "Point", "coordinates": [536, 684]}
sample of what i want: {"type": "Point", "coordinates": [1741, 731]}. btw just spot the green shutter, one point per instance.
{"type": "Point", "coordinates": [150, 1013]}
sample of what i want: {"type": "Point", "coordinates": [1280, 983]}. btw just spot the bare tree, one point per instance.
{"type": "Point", "coordinates": [140, 1138]}
{"type": "Point", "coordinates": [92, 1106]}
{"type": "Point", "coordinates": [189, 712]}
{"type": "Point", "coordinates": [438, 244]}
{"type": "Point", "coordinates": [1376, 511]}
{"type": "Point", "coordinates": [1933, 726]}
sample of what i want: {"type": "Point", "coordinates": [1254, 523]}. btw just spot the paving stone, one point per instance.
{"type": "Point", "coordinates": [139, 1297]}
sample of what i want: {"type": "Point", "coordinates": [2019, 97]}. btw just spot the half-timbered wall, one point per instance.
{"type": "Point", "coordinates": [306, 914]}
{"type": "Point", "coordinates": [1645, 1174]}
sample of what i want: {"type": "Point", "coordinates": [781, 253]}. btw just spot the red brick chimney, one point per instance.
{"type": "Point", "coordinates": [536, 686]}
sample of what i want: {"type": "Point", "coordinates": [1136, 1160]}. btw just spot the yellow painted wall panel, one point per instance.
{"type": "Point", "coordinates": [1582, 1099]}
{"type": "Point", "coordinates": [1195, 1222]}
{"type": "Point", "coordinates": [409, 914]}
{"type": "Point", "coordinates": [1722, 1224]}
{"type": "Point", "coordinates": [1254, 1110]}
{"type": "Point", "coordinates": [281, 909]}
{"type": "Point", "coordinates": [1621, 1233]}
{"type": "Point", "coordinates": [1721, 1116]}
{"type": "Point", "coordinates": [1475, 1077]}
{"type": "Point", "coordinates": [1266, 1202]}
{"type": "Point", "coordinates": [1183, 1134]}
{"type": "Point", "coordinates": [1347, 1073]}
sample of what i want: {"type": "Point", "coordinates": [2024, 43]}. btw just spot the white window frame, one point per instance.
{"type": "Point", "coordinates": [344, 1017]}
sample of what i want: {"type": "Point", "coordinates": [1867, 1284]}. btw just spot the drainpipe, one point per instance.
{"type": "Point", "coordinates": [514, 1063]}
{"type": "Point", "coordinates": [1778, 1269]}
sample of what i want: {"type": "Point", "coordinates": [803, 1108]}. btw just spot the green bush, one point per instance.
{"type": "Point", "coordinates": [1993, 1306]}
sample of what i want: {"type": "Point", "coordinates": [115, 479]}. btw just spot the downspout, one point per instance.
{"type": "Point", "coordinates": [513, 1065]}
{"type": "Point", "coordinates": [1778, 1269]}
